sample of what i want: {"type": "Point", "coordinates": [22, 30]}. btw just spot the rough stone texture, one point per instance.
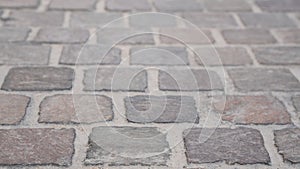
{"type": "Point", "coordinates": [36, 146]}
{"type": "Point", "coordinates": [241, 146]}
{"type": "Point", "coordinates": [189, 80]}
{"type": "Point", "coordinates": [288, 144]}
{"type": "Point", "coordinates": [115, 79]}
{"type": "Point", "coordinates": [76, 109]}
{"type": "Point", "coordinates": [211, 20]}
{"type": "Point", "coordinates": [289, 35]}
{"type": "Point", "coordinates": [266, 20]}
{"type": "Point", "coordinates": [161, 109]}
{"type": "Point", "coordinates": [12, 108]}
{"type": "Point", "coordinates": [262, 79]}
{"type": "Point", "coordinates": [227, 5]}
{"type": "Point", "coordinates": [158, 56]}
{"type": "Point", "coordinates": [96, 20]}
{"type": "Point", "coordinates": [279, 5]}
{"type": "Point", "coordinates": [177, 5]}
{"type": "Point", "coordinates": [248, 36]}
{"type": "Point", "coordinates": [90, 54]}
{"type": "Point", "coordinates": [185, 36]}
{"type": "Point", "coordinates": [217, 56]}
{"type": "Point", "coordinates": [36, 19]}
{"type": "Point", "coordinates": [149, 20]}
{"type": "Point", "coordinates": [38, 79]}
{"type": "Point", "coordinates": [24, 54]}
{"type": "Point", "coordinates": [111, 36]}
{"type": "Point", "coordinates": [277, 55]}
{"type": "Point", "coordinates": [127, 146]}
{"type": "Point", "coordinates": [72, 4]}
{"type": "Point", "coordinates": [13, 34]}
{"type": "Point", "coordinates": [296, 102]}
{"type": "Point", "coordinates": [19, 3]}
{"type": "Point", "coordinates": [128, 5]}
{"type": "Point", "coordinates": [252, 110]}
{"type": "Point", "coordinates": [62, 35]}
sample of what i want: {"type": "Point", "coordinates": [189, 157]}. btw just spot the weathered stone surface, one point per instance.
{"type": "Point", "coordinates": [112, 36]}
{"type": "Point", "coordinates": [90, 54]}
{"type": "Point", "coordinates": [62, 35]}
{"type": "Point", "coordinates": [279, 5]}
{"type": "Point", "coordinates": [296, 102]}
{"type": "Point", "coordinates": [227, 5]}
{"type": "Point", "coordinates": [12, 108]}
{"type": "Point", "coordinates": [13, 34]}
{"type": "Point", "coordinates": [128, 5]}
{"type": "Point", "coordinates": [217, 56]}
{"type": "Point", "coordinates": [278, 55]}
{"type": "Point", "coordinates": [185, 36]}
{"type": "Point", "coordinates": [266, 20]}
{"type": "Point", "coordinates": [211, 20]}
{"type": "Point", "coordinates": [76, 108]}
{"type": "Point", "coordinates": [252, 110]}
{"type": "Point", "coordinates": [36, 146]}
{"type": "Point", "coordinates": [189, 80]}
{"type": "Point", "coordinates": [73, 4]}
{"type": "Point", "coordinates": [37, 19]}
{"type": "Point", "coordinates": [19, 3]}
{"type": "Point", "coordinates": [38, 79]}
{"type": "Point", "coordinates": [115, 79]}
{"type": "Point", "coordinates": [288, 143]}
{"type": "Point", "coordinates": [24, 54]}
{"type": "Point", "coordinates": [261, 79]}
{"type": "Point", "coordinates": [158, 56]}
{"type": "Point", "coordinates": [177, 5]}
{"type": "Point", "coordinates": [248, 36]}
{"type": "Point", "coordinates": [96, 20]}
{"type": "Point", "coordinates": [127, 146]}
{"type": "Point", "coordinates": [149, 20]}
{"type": "Point", "coordinates": [289, 35]}
{"type": "Point", "coordinates": [160, 109]}
{"type": "Point", "coordinates": [241, 146]}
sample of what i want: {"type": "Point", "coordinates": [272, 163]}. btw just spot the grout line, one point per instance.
{"type": "Point", "coordinates": [252, 56]}
{"type": "Point", "coordinates": [217, 35]}
{"type": "Point", "coordinates": [100, 6]}
{"type": "Point", "coordinates": [56, 51]}
{"type": "Point", "coordinates": [43, 5]}
{"type": "Point", "coordinates": [294, 18]}
{"type": "Point", "coordinates": [33, 33]}
{"type": "Point", "coordinates": [255, 8]}
{"type": "Point", "coordinates": [238, 20]}
{"type": "Point", "coordinates": [67, 18]}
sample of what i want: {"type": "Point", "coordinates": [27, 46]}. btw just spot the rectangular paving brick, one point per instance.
{"type": "Point", "coordinates": [296, 102]}
{"type": "Point", "coordinates": [289, 35]}
{"type": "Point", "coordinates": [158, 56]}
{"type": "Point", "coordinates": [19, 3]}
{"type": "Point", "coordinates": [90, 55]}
{"type": "Point", "coordinates": [149, 20]}
{"type": "Point", "coordinates": [38, 79]}
{"type": "Point", "coordinates": [177, 5]}
{"type": "Point", "coordinates": [96, 20]}
{"type": "Point", "coordinates": [248, 36]}
{"type": "Point", "coordinates": [128, 5]}
{"type": "Point", "coordinates": [115, 79]}
{"type": "Point", "coordinates": [36, 19]}
{"type": "Point", "coordinates": [129, 36]}
{"type": "Point", "coordinates": [24, 54]}
{"type": "Point", "coordinates": [72, 4]}
{"type": "Point", "coordinates": [62, 35]}
{"type": "Point", "coordinates": [266, 20]}
{"type": "Point", "coordinates": [161, 109]}
{"type": "Point", "coordinates": [227, 5]}
{"type": "Point", "coordinates": [12, 108]}
{"type": "Point", "coordinates": [189, 80]}
{"type": "Point", "coordinates": [185, 36]}
{"type": "Point", "coordinates": [234, 146]}
{"type": "Point", "coordinates": [261, 79]}
{"type": "Point", "coordinates": [279, 5]}
{"type": "Point", "coordinates": [218, 56]}
{"type": "Point", "coordinates": [37, 146]}
{"type": "Point", "coordinates": [10, 34]}
{"type": "Point", "coordinates": [75, 108]}
{"type": "Point", "coordinates": [252, 110]}
{"type": "Point", "coordinates": [288, 143]}
{"type": "Point", "coordinates": [211, 20]}
{"type": "Point", "coordinates": [115, 146]}
{"type": "Point", "coordinates": [277, 55]}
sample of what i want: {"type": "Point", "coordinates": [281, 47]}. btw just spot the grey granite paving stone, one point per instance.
{"type": "Point", "coordinates": [278, 5]}
{"type": "Point", "coordinates": [227, 5]}
{"type": "Point", "coordinates": [248, 36]}
{"type": "Point", "coordinates": [296, 102]}
{"type": "Point", "coordinates": [149, 20]}
{"type": "Point", "coordinates": [11, 34]}
{"type": "Point", "coordinates": [289, 35]}
{"type": "Point", "coordinates": [19, 4]}
{"type": "Point", "coordinates": [177, 5]}
{"type": "Point", "coordinates": [72, 4]}
{"type": "Point", "coordinates": [128, 5]}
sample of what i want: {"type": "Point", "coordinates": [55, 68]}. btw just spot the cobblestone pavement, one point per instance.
{"type": "Point", "coordinates": [201, 84]}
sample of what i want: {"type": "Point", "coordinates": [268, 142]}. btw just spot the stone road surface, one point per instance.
{"type": "Point", "coordinates": [201, 84]}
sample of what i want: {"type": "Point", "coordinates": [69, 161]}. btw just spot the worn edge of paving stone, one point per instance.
{"type": "Point", "coordinates": [47, 98]}
{"type": "Point", "coordinates": [56, 8]}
